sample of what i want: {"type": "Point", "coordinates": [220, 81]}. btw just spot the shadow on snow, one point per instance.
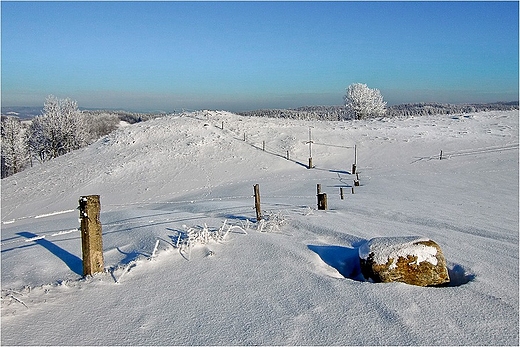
{"type": "Point", "coordinates": [73, 262]}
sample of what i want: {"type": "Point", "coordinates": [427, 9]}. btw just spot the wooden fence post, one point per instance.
{"type": "Point", "coordinates": [341, 193]}
{"type": "Point", "coordinates": [256, 188]}
{"type": "Point", "coordinates": [310, 142]}
{"type": "Point", "coordinates": [440, 157]}
{"type": "Point", "coordinates": [355, 160]}
{"type": "Point", "coordinates": [263, 146]}
{"type": "Point", "coordinates": [91, 238]}
{"type": "Point", "coordinates": [322, 201]}
{"type": "Point", "coordinates": [318, 188]}
{"type": "Point", "coordinates": [287, 155]}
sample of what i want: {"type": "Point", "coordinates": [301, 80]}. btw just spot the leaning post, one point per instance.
{"type": "Point", "coordinates": [91, 238]}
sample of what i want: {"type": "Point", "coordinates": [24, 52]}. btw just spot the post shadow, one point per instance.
{"type": "Point", "coordinates": [73, 262]}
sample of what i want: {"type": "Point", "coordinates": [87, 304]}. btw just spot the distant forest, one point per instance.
{"type": "Point", "coordinates": [402, 110]}
{"type": "Point", "coordinates": [338, 112]}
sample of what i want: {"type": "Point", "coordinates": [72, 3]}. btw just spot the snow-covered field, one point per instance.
{"type": "Point", "coordinates": [293, 280]}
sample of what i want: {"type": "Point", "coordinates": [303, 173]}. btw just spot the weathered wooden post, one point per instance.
{"type": "Point", "coordinates": [341, 193]}
{"type": "Point", "coordinates": [354, 166]}
{"type": "Point", "coordinates": [91, 234]}
{"type": "Point", "coordinates": [256, 188]}
{"type": "Point", "coordinates": [263, 145]}
{"type": "Point", "coordinates": [222, 125]}
{"type": "Point", "coordinates": [440, 156]}
{"type": "Point", "coordinates": [310, 148]}
{"type": "Point", "coordinates": [287, 155]}
{"type": "Point", "coordinates": [322, 201]}
{"type": "Point", "coordinates": [318, 188]}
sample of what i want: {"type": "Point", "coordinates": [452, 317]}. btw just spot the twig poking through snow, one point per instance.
{"type": "Point", "coordinates": [18, 300]}
{"type": "Point", "coordinates": [271, 222]}
{"type": "Point", "coordinates": [154, 250]}
{"type": "Point", "coordinates": [126, 270]}
{"type": "Point", "coordinates": [9, 294]}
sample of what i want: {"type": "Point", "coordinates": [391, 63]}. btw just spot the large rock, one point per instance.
{"type": "Point", "coordinates": [413, 260]}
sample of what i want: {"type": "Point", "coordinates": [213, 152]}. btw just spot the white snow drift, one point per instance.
{"type": "Point", "coordinates": [181, 180]}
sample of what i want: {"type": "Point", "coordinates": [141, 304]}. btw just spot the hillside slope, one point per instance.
{"type": "Point", "coordinates": [293, 280]}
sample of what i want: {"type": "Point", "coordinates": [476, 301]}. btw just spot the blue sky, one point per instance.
{"type": "Point", "coordinates": [249, 55]}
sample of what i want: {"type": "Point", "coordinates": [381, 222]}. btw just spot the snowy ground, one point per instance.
{"type": "Point", "coordinates": [297, 282]}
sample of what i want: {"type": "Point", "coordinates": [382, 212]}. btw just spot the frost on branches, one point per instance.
{"type": "Point", "coordinates": [59, 130]}
{"type": "Point", "coordinates": [364, 102]}
{"type": "Point", "coordinates": [15, 153]}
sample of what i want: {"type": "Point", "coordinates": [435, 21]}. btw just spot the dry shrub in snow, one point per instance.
{"type": "Point", "coordinates": [271, 222]}
{"type": "Point", "coordinates": [201, 235]}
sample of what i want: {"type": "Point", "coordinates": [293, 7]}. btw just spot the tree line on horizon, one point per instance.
{"type": "Point", "coordinates": [340, 112]}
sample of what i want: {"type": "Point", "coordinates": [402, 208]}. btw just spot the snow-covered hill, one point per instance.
{"type": "Point", "coordinates": [292, 280]}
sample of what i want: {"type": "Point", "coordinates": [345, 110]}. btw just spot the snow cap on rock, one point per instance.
{"type": "Point", "coordinates": [413, 260]}
{"type": "Point", "coordinates": [385, 248]}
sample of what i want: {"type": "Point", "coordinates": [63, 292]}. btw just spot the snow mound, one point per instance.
{"type": "Point", "coordinates": [171, 189]}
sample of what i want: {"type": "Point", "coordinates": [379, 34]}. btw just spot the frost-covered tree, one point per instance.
{"type": "Point", "coordinates": [364, 102]}
{"type": "Point", "coordinates": [15, 152]}
{"type": "Point", "coordinates": [100, 123]}
{"type": "Point", "coordinates": [60, 129]}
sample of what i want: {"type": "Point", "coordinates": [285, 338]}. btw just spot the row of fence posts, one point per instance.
{"type": "Point", "coordinates": [91, 229]}
{"type": "Point", "coordinates": [322, 197]}
{"type": "Point", "coordinates": [310, 142]}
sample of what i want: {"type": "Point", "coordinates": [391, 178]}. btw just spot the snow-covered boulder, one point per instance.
{"type": "Point", "coordinates": [413, 260]}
